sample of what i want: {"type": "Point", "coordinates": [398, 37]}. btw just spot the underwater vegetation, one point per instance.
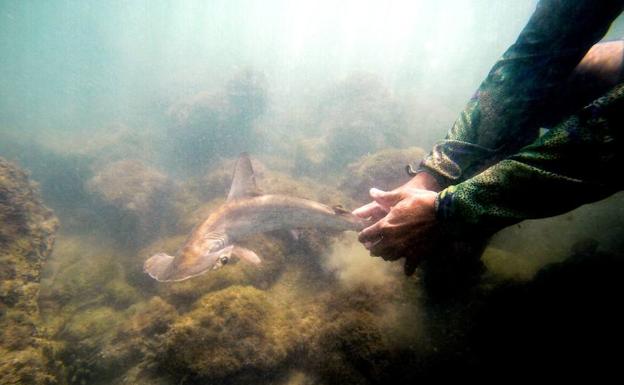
{"type": "Point", "coordinates": [209, 124]}
{"type": "Point", "coordinates": [384, 169]}
{"type": "Point", "coordinates": [360, 107]}
{"type": "Point", "coordinates": [141, 193]}
{"type": "Point", "coordinates": [26, 240]}
{"type": "Point", "coordinates": [318, 310]}
{"type": "Point", "coordinates": [122, 122]}
{"type": "Point", "coordinates": [357, 116]}
{"type": "Point", "coordinates": [109, 323]}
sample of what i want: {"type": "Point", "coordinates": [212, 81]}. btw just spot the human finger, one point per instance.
{"type": "Point", "coordinates": [391, 246]}
{"type": "Point", "coordinates": [371, 233]}
{"type": "Point", "coordinates": [384, 249]}
{"type": "Point", "coordinates": [386, 199]}
{"type": "Point", "coordinates": [370, 210]}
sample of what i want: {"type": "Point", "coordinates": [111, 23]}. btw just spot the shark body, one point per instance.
{"type": "Point", "coordinates": [211, 244]}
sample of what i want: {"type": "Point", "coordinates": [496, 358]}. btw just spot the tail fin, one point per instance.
{"type": "Point", "coordinates": [158, 266]}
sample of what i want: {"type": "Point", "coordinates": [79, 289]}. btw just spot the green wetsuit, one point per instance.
{"type": "Point", "coordinates": [497, 168]}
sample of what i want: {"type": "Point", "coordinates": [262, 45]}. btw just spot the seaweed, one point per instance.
{"type": "Point", "coordinates": [26, 240]}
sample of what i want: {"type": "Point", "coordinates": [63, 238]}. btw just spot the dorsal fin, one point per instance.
{"type": "Point", "coordinates": [243, 181]}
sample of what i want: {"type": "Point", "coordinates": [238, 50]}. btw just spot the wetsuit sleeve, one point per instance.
{"type": "Point", "coordinates": [576, 162]}
{"type": "Point", "coordinates": [512, 102]}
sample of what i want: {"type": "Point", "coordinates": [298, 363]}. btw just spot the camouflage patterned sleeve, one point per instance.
{"type": "Point", "coordinates": [513, 101]}
{"type": "Point", "coordinates": [576, 162]}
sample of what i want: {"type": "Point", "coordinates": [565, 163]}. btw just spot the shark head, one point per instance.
{"type": "Point", "coordinates": [163, 267]}
{"type": "Point", "coordinates": [219, 258]}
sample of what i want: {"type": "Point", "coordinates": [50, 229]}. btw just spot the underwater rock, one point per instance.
{"type": "Point", "coordinates": [360, 333]}
{"type": "Point", "coordinates": [82, 338]}
{"type": "Point", "coordinates": [384, 170]}
{"type": "Point", "coordinates": [232, 333]}
{"type": "Point", "coordinates": [26, 239]}
{"type": "Point", "coordinates": [140, 192]}
{"type": "Point", "coordinates": [310, 156]}
{"type": "Point", "coordinates": [356, 117]}
{"type": "Point", "coordinates": [111, 143]}
{"type": "Point", "coordinates": [132, 349]}
{"type": "Point", "coordinates": [101, 344]}
{"type": "Point", "coordinates": [216, 123]}
{"type": "Point", "coordinates": [85, 275]}
{"type": "Point", "coordinates": [348, 334]}
{"type": "Point", "coordinates": [351, 350]}
{"type": "Point", "coordinates": [91, 327]}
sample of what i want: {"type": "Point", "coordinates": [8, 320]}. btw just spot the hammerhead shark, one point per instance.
{"type": "Point", "coordinates": [247, 211]}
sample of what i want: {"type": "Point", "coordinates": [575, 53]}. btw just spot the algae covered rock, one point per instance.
{"type": "Point", "coordinates": [136, 339]}
{"type": "Point", "coordinates": [85, 273]}
{"type": "Point", "coordinates": [209, 124]}
{"type": "Point", "coordinates": [82, 338]}
{"type": "Point", "coordinates": [357, 116]}
{"type": "Point", "coordinates": [384, 169]}
{"type": "Point", "coordinates": [141, 193]}
{"type": "Point", "coordinates": [351, 350]}
{"type": "Point", "coordinates": [101, 343]}
{"type": "Point", "coordinates": [230, 333]}
{"type": "Point", "coordinates": [27, 230]}
{"type": "Point", "coordinates": [360, 333]}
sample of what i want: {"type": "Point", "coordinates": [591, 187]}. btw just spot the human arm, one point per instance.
{"type": "Point", "coordinates": [520, 91]}
{"type": "Point", "coordinates": [576, 162]}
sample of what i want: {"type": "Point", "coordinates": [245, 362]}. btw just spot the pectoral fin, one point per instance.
{"type": "Point", "coordinates": [158, 266]}
{"type": "Point", "coordinates": [246, 255]}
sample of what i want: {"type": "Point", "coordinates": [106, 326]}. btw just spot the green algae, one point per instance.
{"type": "Point", "coordinates": [384, 169]}
{"type": "Point", "coordinates": [227, 333]}
{"type": "Point", "coordinates": [26, 239]}
{"type": "Point", "coordinates": [241, 324]}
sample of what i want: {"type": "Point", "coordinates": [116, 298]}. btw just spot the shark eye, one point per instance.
{"type": "Point", "coordinates": [224, 260]}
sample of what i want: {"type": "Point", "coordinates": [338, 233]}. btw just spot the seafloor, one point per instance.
{"type": "Point", "coordinates": [76, 307]}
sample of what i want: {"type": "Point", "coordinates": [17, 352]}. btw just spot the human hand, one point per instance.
{"type": "Point", "coordinates": [405, 224]}
{"type": "Point", "coordinates": [374, 210]}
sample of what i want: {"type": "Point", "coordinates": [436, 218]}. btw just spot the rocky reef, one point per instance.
{"type": "Point", "coordinates": [140, 194]}
{"type": "Point", "coordinates": [294, 318]}
{"type": "Point", "coordinates": [236, 331]}
{"type": "Point", "coordinates": [357, 116]}
{"type": "Point", "coordinates": [384, 169]}
{"type": "Point", "coordinates": [209, 124]}
{"type": "Point", "coordinates": [27, 234]}
{"type": "Point", "coordinates": [318, 310]}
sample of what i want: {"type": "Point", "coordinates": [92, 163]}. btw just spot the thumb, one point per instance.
{"type": "Point", "coordinates": [386, 199]}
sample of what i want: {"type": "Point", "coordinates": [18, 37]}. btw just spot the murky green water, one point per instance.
{"type": "Point", "coordinates": [129, 116]}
